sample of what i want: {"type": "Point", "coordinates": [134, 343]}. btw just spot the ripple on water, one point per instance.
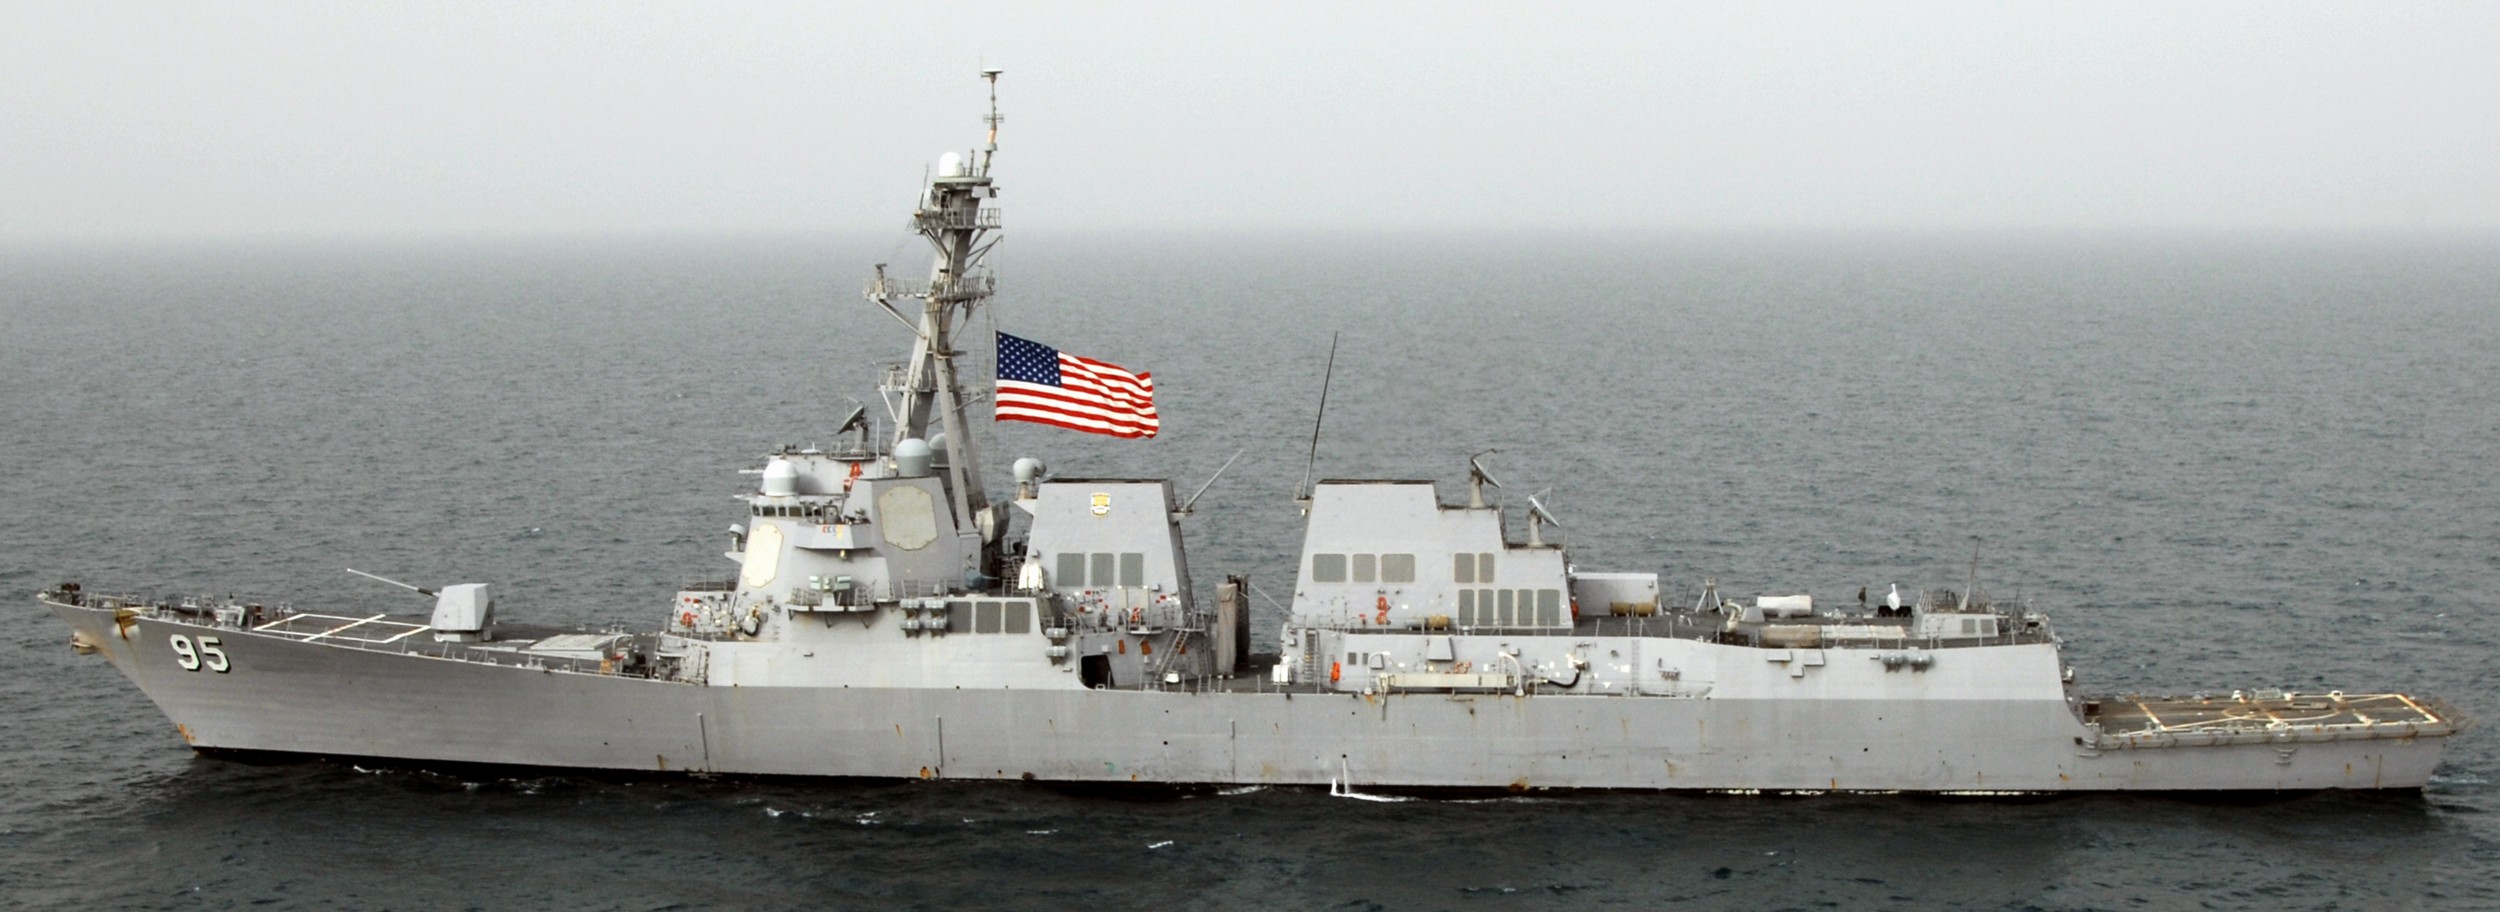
{"type": "Point", "coordinates": [2216, 466]}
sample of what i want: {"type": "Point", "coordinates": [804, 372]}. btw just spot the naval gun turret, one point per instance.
{"type": "Point", "coordinates": [463, 612]}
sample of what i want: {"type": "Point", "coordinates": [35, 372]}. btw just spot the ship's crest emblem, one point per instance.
{"type": "Point", "coordinates": [1102, 503]}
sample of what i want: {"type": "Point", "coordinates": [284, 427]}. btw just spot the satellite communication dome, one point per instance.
{"type": "Point", "coordinates": [1027, 469]}
{"type": "Point", "coordinates": [781, 479]}
{"type": "Point", "coordinates": [911, 457]}
{"type": "Point", "coordinates": [950, 165]}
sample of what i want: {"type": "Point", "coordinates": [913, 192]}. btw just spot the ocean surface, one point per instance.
{"type": "Point", "coordinates": [2216, 462]}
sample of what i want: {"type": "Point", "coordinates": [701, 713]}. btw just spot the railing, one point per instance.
{"type": "Point", "coordinates": [817, 512]}
{"type": "Point", "coordinates": [964, 288]}
{"type": "Point", "coordinates": [375, 633]}
{"type": "Point", "coordinates": [896, 589]}
{"type": "Point", "coordinates": [895, 377]}
{"type": "Point", "coordinates": [2267, 717]}
{"type": "Point", "coordinates": [980, 220]}
{"type": "Point", "coordinates": [193, 609]}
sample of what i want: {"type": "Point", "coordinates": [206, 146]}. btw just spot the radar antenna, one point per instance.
{"type": "Point", "coordinates": [1478, 477]}
{"type": "Point", "coordinates": [856, 422]}
{"type": "Point", "coordinates": [1539, 518]}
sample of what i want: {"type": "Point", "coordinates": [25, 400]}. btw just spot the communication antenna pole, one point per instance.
{"type": "Point", "coordinates": [991, 148]}
{"type": "Point", "coordinates": [1302, 492]}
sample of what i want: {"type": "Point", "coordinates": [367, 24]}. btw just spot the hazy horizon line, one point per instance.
{"type": "Point", "coordinates": [1337, 234]}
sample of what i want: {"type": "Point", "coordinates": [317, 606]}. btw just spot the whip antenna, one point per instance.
{"type": "Point", "coordinates": [1188, 505]}
{"type": "Point", "coordinates": [1302, 492]}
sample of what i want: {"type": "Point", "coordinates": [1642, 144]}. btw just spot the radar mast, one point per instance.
{"type": "Point", "coordinates": [926, 394]}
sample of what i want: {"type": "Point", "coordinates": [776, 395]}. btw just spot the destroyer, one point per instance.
{"type": "Point", "coordinates": [889, 618]}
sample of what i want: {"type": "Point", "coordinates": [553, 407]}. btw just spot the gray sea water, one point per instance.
{"type": "Point", "coordinates": [2216, 462]}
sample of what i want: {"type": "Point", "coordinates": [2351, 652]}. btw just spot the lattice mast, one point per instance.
{"type": "Point", "coordinates": [926, 394]}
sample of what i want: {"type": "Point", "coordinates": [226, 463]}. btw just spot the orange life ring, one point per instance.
{"type": "Point", "coordinates": [1383, 618]}
{"type": "Point", "coordinates": [1336, 670]}
{"type": "Point", "coordinates": [854, 476]}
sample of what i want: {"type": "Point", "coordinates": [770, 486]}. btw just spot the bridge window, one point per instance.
{"type": "Point", "coordinates": [1133, 568]}
{"type": "Point", "coordinates": [985, 617]}
{"type": "Point", "coordinates": [1463, 568]}
{"type": "Point", "coordinates": [1328, 568]}
{"type": "Point", "coordinates": [1366, 567]}
{"type": "Point", "coordinates": [1508, 601]}
{"type": "Point", "coordinates": [1071, 570]}
{"type": "Point", "coordinates": [1019, 617]}
{"type": "Point", "coordinates": [1484, 568]}
{"type": "Point", "coordinates": [1103, 574]}
{"type": "Point", "coordinates": [1467, 607]}
{"type": "Point", "coordinates": [959, 617]}
{"type": "Point", "coordinates": [1397, 568]}
{"type": "Point", "coordinates": [1549, 608]}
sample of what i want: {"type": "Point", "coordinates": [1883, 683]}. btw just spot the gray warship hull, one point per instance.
{"type": "Point", "coordinates": [890, 617]}
{"type": "Point", "coordinates": [430, 704]}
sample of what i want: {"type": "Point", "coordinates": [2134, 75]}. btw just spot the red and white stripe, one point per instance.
{"type": "Point", "coordinates": [1094, 396]}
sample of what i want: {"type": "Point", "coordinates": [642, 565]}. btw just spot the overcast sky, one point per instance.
{"type": "Point", "coordinates": [444, 118]}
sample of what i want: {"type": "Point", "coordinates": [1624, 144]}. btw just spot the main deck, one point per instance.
{"type": "Point", "coordinates": [2139, 721]}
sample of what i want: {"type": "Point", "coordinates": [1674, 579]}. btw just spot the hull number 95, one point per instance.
{"type": "Point", "coordinates": [206, 653]}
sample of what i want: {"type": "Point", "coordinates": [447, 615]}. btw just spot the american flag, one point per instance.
{"type": "Point", "coordinates": [1042, 384]}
